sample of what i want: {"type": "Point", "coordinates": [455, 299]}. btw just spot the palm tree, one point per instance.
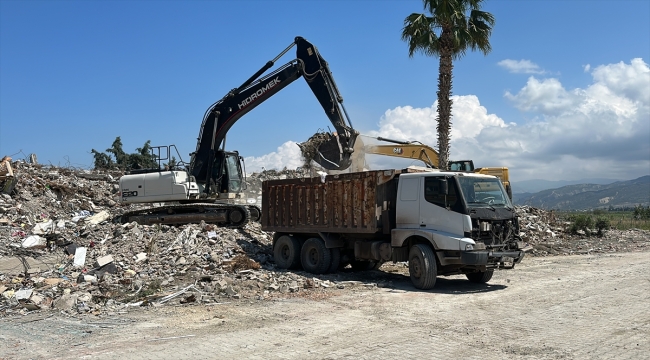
{"type": "Point", "coordinates": [447, 31]}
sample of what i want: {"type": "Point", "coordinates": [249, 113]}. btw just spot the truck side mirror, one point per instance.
{"type": "Point", "coordinates": [443, 186]}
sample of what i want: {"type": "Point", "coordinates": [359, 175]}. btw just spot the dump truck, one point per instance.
{"type": "Point", "coordinates": [441, 222]}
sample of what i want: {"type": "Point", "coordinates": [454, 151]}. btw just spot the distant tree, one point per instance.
{"type": "Point", "coordinates": [119, 154]}
{"type": "Point", "coordinates": [141, 159]}
{"type": "Point", "coordinates": [451, 27]}
{"type": "Point", "coordinates": [172, 163]}
{"type": "Point", "coordinates": [102, 161]}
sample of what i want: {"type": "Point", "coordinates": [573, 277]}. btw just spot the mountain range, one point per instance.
{"type": "Point", "coordinates": [618, 194]}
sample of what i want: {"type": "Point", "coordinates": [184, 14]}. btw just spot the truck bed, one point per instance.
{"type": "Point", "coordinates": [362, 202]}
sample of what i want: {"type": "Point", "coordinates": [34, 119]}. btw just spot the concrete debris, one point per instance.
{"type": "Point", "coordinates": [548, 235]}
{"type": "Point", "coordinates": [56, 218]}
{"type": "Point", "coordinates": [34, 241]}
{"type": "Point", "coordinates": [79, 257]}
{"type": "Point", "coordinates": [101, 261]}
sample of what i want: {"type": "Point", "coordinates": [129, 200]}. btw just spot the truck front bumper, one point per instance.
{"type": "Point", "coordinates": [503, 259]}
{"type": "Point", "coordinates": [487, 258]}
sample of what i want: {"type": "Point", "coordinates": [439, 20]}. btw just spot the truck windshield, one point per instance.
{"type": "Point", "coordinates": [479, 191]}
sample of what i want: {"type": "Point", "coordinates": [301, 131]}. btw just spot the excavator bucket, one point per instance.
{"type": "Point", "coordinates": [331, 151]}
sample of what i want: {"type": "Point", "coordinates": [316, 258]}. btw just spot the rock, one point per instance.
{"type": "Point", "coordinates": [101, 261]}
{"type": "Point", "coordinates": [65, 302]}
{"type": "Point", "coordinates": [230, 291]}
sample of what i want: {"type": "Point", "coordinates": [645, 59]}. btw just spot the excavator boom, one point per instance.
{"type": "Point", "coordinates": [223, 114]}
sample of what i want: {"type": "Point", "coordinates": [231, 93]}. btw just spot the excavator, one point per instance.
{"type": "Point", "coordinates": [208, 188]}
{"type": "Point", "coordinates": [428, 155]}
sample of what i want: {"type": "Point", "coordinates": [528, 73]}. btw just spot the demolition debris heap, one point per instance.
{"type": "Point", "coordinates": [61, 250]}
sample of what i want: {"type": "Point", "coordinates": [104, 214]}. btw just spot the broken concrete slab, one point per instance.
{"type": "Point", "coordinates": [101, 261]}
{"type": "Point", "coordinates": [80, 257]}
{"type": "Point", "coordinates": [34, 241]}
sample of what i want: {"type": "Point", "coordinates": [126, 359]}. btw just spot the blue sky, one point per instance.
{"type": "Point", "coordinates": [564, 94]}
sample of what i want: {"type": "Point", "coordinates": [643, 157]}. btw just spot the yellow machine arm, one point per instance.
{"type": "Point", "coordinates": [428, 155]}
{"type": "Point", "coordinates": [408, 151]}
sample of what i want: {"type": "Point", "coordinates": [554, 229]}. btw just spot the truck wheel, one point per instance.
{"type": "Point", "coordinates": [480, 277]}
{"type": "Point", "coordinates": [315, 257]}
{"type": "Point", "coordinates": [336, 260]}
{"type": "Point", "coordinates": [422, 266]}
{"type": "Point", "coordinates": [286, 252]}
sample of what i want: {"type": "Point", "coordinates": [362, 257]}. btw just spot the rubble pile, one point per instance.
{"type": "Point", "coordinates": [60, 249]}
{"type": "Point", "coordinates": [254, 181]}
{"type": "Point", "coordinates": [548, 235]}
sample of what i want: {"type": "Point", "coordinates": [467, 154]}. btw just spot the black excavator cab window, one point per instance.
{"type": "Point", "coordinates": [233, 172]}
{"type": "Point", "coordinates": [227, 164]}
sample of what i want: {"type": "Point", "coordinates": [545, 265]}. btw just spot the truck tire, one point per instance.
{"type": "Point", "coordinates": [336, 260]}
{"type": "Point", "coordinates": [315, 257]}
{"type": "Point", "coordinates": [480, 277]}
{"type": "Point", "coordinates": [286, 252]}
{"type": "Point", "coordinates": [422, 266]}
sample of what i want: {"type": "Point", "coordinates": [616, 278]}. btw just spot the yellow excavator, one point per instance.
{"type": "Point", "coordinates": [428, 155]}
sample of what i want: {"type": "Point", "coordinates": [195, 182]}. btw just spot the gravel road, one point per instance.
{"type": "Point", "coordinates": [570, 307]}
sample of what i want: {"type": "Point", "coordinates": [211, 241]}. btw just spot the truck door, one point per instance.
{"type": "Point", "coordinates": [440, 211]}
{"type": "Point", "coordinates": [408, 210]}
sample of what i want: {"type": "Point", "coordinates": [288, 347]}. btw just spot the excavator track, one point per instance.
{"type": "Point", "coordinates": [229, 215]}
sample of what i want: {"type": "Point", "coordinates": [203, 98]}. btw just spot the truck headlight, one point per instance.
{"type": "Point", "coordinates": [469, 247]}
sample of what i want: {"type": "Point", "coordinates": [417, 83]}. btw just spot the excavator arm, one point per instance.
{"type": "Point", "coordinates": [405, 149]}
{"type": "Point", "coordinates": [418, 151]}
{"type": "Point", "coordinates": [223, 114]}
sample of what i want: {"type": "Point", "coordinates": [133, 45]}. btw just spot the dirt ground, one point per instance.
{"type": "Point", "coordinates": [569, 307]}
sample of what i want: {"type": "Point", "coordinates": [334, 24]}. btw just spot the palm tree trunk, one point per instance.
{"type": "Point", "coordinates": [444, 97]}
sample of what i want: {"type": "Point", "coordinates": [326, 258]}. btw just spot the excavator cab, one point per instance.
{"type": "Point", "coordinates": [227, 174]}
{"type": "Point", "coordinates": [461, 165]}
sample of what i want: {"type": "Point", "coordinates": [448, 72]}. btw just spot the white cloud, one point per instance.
{"type": "Point", "coordinates": [287, 155]}
{"type": "Point", "coordinates": [521, 66]}
{"type": "Point", "coordinates": [408, 123]}
{"type": "Point", "coordinates": [602, 130]}
{"type": "Point", "coordinates": [546, 96]}
{"type": "Point", "coordinates": [599, 131]}
{"type": "Point", "coordinates": [630, 80]}
{"type": "Point", "coordinates": [586, 68]}
{"type": "Point", "coordinates": [419, 124]}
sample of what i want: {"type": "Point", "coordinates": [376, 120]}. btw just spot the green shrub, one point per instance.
{"type": "Point", "coordinates": [581, 222]}
{"type": "Point", "coordinates": [602, 224]}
